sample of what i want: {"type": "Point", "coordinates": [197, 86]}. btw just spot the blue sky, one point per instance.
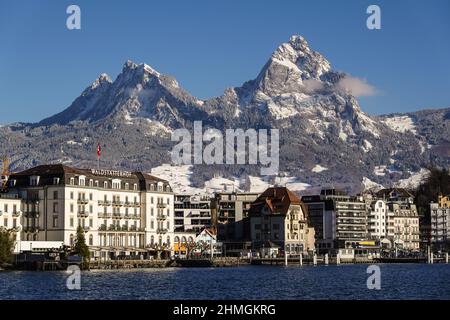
{"type": "Point", "coordinates": [210, 45]}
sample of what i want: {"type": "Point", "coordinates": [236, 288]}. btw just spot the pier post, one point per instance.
{"type": "Point", "coordinates": [285, 258]}
{"type": "Point", "coordinates": [446, 257]}
{"type": "Point", "coordinates": [301, 259]}
{"type": "Point", "coordinates": [431, 257]}
{"type": "Point", "coordinates": [326, 258]}
{"type": "Point", "coordinates": [338, 258]}
{"type": "Point", "coordinates": [428, 255]}
{"type": "Point", "coordinates": [315, 259]}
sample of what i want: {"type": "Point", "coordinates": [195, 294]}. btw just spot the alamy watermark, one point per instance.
{"type": "Point", "coordinates": [374, 280]}
{"type": "Point", "coordinates": [73, 21]}
{"type": "Point", "coordinates": [373, 22]}
{"type": "Point", "coordinates": [241, 147]}
{"type": "Point", "coordinates": [73, 281]}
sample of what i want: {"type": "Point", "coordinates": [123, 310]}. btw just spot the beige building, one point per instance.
{"type": "Point", "coordinates": [10, 215]}
{"type": "Point", "coordinates": [122, 213]}
{"type": "Point", "coordinates": [403, 212]}
{"type": "Point", "coordinates": [278, 217]}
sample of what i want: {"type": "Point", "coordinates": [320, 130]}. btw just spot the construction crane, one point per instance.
{"type": "Point", "coordinates": [5, 173]}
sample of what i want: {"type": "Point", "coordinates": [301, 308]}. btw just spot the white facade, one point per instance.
{"type": "Point", "coordinates": [10, 215]}
{"type": "Point", "coordinates": [192, 213]}
{"type": "Point", "coordinates": [120, 212]}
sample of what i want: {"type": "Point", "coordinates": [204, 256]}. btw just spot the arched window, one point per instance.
{"type": "Point", "coordinates": [177, 239]}
{"type": "Point", "coordinates": [191, 240]}
{"type": "Point", "coordinates": [183, 239]}
{"type": "Point", "coordinates": [168, 241]}
{"type": "Point", "coordinates": [160, 241]}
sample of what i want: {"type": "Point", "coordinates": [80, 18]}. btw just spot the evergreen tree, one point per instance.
{"type": "Point", "coordinates": [7, 242]}
{"type": "Point", "coordinates": [80, 248]}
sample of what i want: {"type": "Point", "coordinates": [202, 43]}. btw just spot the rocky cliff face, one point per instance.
{"type": "Point", "coordinates": [297, 91]}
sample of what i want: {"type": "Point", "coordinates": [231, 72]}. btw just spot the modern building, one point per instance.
{"type": "Point", "coordinates": [339, 220]}
{"type": "Point", "coordinates": [122, 213]}
{"type": "Point", "coordinates": [440, 223]}
{"type": "Point", "coordinates": [192, 213]}
{"type": "Point", "coordinates": [403, 211]}
{"type": "Point", "coordinates": [230, 213]}
{"type": "Point", "coordinates": [278, 217]}
{"type": "Point", "coordinates": [380, 221]}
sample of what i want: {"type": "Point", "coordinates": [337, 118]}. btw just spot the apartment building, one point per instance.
{"type": "Point", "coordinates": [278, 217]}
{"type": "Point", "coordinates": [121, 212]}
{"type": "Point", "coordinates": [403, 212]}
{"type": "Point", "coordinates": [192, 213]}
{"type": "Point", "coordinates": [339, 220]}
{"type": "Point", "coordinates": [229, 214]}
{"type": "Point", "coordinates": [440, 222]}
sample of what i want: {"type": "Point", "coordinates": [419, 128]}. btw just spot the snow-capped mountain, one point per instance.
{"type": "Point", "coordinates": [297, 91]}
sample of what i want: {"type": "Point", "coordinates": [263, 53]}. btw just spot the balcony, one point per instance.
{"type": "Point", "coordinates": [102, 227]}
{"type": "Point", "coordinates": [85, 229]}
{"type": "Point", "coordinates": [161, 230]}
{"type": "Point", "coordinates": [104, 202]}
{"type": "Point", "coordinates": [82, 201]}
{"type": "Point", "coordinates": [82, 213]}
{"type": "Point", "coordinates": [117, 203]}
{"type": "Point", "coordinates": [135, 216]}
{"type": "Point", "coordinates": [104, 215]}
{"type": "Point", "coordinates": [31, 229]}
{"type": "Point", "coordinates": [117, 215]}
{"type": "Point", "coordinates": [161, 205]}
{"type": "Point", "coordinates": [32, 214]}
{"type": "Point", "coordinates": [161, 217]}
{"type": "Point", "coordinates": [16, 213]}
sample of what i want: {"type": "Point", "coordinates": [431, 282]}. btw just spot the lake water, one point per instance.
{"type": "Point", "coordinates": [398, 281]}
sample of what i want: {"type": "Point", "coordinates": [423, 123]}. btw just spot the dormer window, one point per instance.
{"type": "Point", "coordinates": [91, 183]}
{"type": "Point", "coordinates": [12, 183]}
{"type": "Point", "coordinates": [116, 184]}
{"type": "Point", "coordinates": [82, 181]}
{"type": "Point", "coordinates": [55, 181]}
{"type": "Point", "coordinates": [105, 184]}
{"type": "Point", "coordinates": [72, 181]}
{"type": "Point", "coordinates": [127, 186]}
{"type": "Point", "coordinates": [135, 187]}
{"type": "Point", "coordinates": [34, 180]}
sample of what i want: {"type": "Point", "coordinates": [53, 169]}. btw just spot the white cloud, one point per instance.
{"type": "Point", "coordinates": [357, 87]}
{"type": "Point", "coordinates": [312, 85]}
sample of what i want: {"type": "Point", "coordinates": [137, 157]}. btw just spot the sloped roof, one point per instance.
{"type": "Point", "coordinates": [278, 200]}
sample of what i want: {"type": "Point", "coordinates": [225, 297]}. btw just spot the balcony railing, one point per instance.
{"type": "Point", "coordinates": [16, 213]}
{"type": "Point", "coordinates": [117, 203]}
{"type": "Point", "coordinates": [104, 215]}
{"type": "Point", "coordinates": [161, 217]}
{"type": "Point", "coordinates": [104, 202]}
{"type": "Point", "coordinates": [161, 230]}
{"type": "Point", "coordinates": [82, 201]}
{"type": "Point", "coordinates": [82, 213]}
{"type": "Point", "coordinates": [161, 205]}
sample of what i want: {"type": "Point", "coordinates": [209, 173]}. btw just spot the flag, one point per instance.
{"type": "Point", "coordinates": [99, 150]}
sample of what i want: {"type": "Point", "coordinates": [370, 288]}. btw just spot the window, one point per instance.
{"type": "Point", "coordinates": [55, 195]}
{"type": "Point", "coordinates": [5, 207]}
{"type": "Point", "coordinates": [151, 200]}
{"type": "Point", "coordinates": [91, 240]}
{"type": "Point", "coordinates": [71, 222]}
{"type": "Point", "coordinates": [135, 187]}
{"type": "Point", "coordinates": [91, 223]}
{"type": "Point", "coordinates": [14, 223]}
{"type": "Point", "coordinates": [72, 181]}
{"type": "Point", "coordinates": [55, 221]}
{"type": "Point", "coordinates": [55, 207]}
{"type": "Point", "coordinates": [91, 209]}
{"type": "Point", "coordinates": [151, 212]}
{"type": "Point", "coordinates": [127, 186]}
{"type": "Point", "coordinates": [152, 225]}
{"type": "Point", "coordinates": [71, 195]}
{"type": "Point", "coordinates": [90, 196]}
{"type": "Point", "coordinates": [5, 222]}
{"type": "Point", "coordinates": [105, 184]}
{"type": "Point", "coordinates": [91, 183]}
{"type": "Point", "coordinates": [81, 182]}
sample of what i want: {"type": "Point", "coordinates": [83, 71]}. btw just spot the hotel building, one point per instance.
{"type": "Point", "coordinates": [121, 212]}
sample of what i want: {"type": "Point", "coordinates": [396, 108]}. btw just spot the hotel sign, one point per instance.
{"type": "Point", "coordinates": [111, 173]}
